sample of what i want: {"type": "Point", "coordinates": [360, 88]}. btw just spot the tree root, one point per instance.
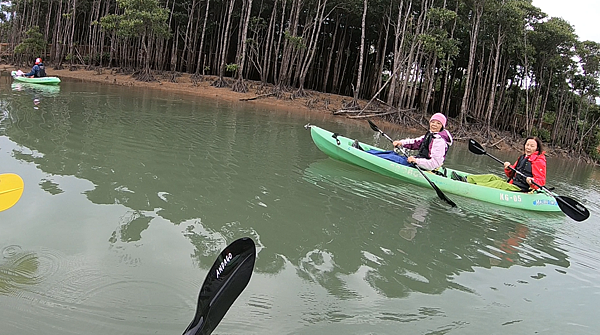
{"type": "Point", "coordinates": [240, 86]}
{"type": "Point", "coordinates": [220, 82]}
{"type": "Point", "coordinates": [144, 75]}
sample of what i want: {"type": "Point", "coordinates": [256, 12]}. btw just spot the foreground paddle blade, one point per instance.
{"type": "Point", "coordinates": [226, 279]}
{"type": "Point", "coordinates": [572, 208]}
{"type": "Point", "coordinates": [11, 189]}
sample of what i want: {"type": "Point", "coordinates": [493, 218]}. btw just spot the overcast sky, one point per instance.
{"type": "Point", "coordinates": [584, 15]}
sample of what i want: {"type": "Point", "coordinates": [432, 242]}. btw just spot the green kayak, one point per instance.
{"type": "Point", "coordinates": [42, 80]}
{"type": "Point", "coordinates": [340, 148]}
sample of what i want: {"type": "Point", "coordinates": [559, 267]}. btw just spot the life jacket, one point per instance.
{"type": "Point", "coordinates": [427, 143]}
{"type": "Point", "coordinates": [524, 166]}
{"type": "Point", "coordinates": [424, 147]}
{"type": "Point", "coordinates": [42, 71]}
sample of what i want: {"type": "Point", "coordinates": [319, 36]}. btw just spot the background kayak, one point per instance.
{"type": "Point", "coordinates": [43, 80]}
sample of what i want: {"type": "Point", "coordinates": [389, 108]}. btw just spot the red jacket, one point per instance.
{"type": "Point", "coordinates": [538, 169]}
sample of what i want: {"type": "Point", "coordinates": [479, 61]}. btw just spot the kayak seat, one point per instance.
{"type": "Point", "coordinates": [456, 176]}
{"type": "Point", "coordinates": [441, 171]}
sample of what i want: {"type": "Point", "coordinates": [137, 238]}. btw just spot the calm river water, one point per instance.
{"type": "Point", "coordinates": [130, 195]}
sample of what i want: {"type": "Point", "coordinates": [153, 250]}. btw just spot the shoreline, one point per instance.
{"type": "Point", "coordinates": [182, 83]}
{"type": "Point", "coordinates": [314, 102]}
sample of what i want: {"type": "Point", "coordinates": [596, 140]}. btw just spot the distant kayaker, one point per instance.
{"type": "Point", "coordinates": [532, 164]}
{"type": "Point", "coordinates": [38, 70]}
{"type": "Point", "coordinates": [432, 146]}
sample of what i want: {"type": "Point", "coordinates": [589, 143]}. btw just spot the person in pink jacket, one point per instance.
{"type": "Point", "coordinates": [432, 146]}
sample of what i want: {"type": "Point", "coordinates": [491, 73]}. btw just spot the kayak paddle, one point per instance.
{"type": "Point", "coordinates": [569, 206]}
{"type": "Point", "coordinates": [11, 189]}
{"type": "Point", "coordinates": [226, 279]}
{"type": "Point", "coordinates": [439, 192]}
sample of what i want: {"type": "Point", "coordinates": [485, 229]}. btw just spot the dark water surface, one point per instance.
{"type": "Point", "coordinates": [130, 194]}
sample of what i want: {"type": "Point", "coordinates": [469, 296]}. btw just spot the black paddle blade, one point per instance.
{"type": "Point", "coordinates": [441, 194]}
{"type": "Point", "coordinates": [475, 147]}
{"type": "Point", "coordinates": [226, 279]}
{"type": "Point", "coordinates": [572, 208]}
{"type": "Point", "coordinates": [373, 126]}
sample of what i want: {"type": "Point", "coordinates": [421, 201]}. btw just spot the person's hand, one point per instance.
{"type": "Point", "coordinates": [411, 160]}
{"type": "Point", "coordinates": [397, 144]}
{"type": "Point", "coordinates": [506, 165]}
{"type": "Point", "coordinates": [529, 180]}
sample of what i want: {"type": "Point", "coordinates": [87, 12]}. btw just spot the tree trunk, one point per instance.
{"type": "Point", "coordinates": [239, 85]}
{"type": "Point", "coordinates": [224, 47]}
{"type": "Point", "coordinates": [362, 53]}
{"type": "Point", "coordinates": [200, 48]}
{"type": "Point", "coordinates": [478, 11]}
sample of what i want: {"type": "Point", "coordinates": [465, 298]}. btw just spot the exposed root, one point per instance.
{"type": "Point", "coordinates": [301, 93]}
{"type": "Point", "coordinates": [173, 76]}
{"type": "Point", "coordinates": [282, 92]}
{"type": "Point", "coordinates": [240, 86]}
{"type": "Point", "coordinates": [144, 75]}
{"type": "Point", "coordinates": [220, 82]}
{"type": "Point", "coordinates": [196, 78]}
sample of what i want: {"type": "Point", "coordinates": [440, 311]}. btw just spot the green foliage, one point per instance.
{"type": "Point", "coordinates": [543, 134]}
{"type": "Point", "coordinates": [549, 117]}
{"type": "Point", "coordinates": [296, 41]}
{"type": "Point", "coordinates": [439, 43]}
{"type": "Point", "coordinates": [441, 16]}
{"type": "Point", "coordinates": [589, 52]}
{"type": "Point", "coordinates": [257, 24]}
{"type": "Point", "coordinates": [385, 76]}
{"type": "Point", "coordinates": [586, 85]}
{"type": "Point", "coordinates": [33, 45]}
{"type": "Point", "coordinates": [594, 153]}
{"type": "Point", "coordinates": [140, 17]}
{"type": "Point", "coordinates": [231, 67]}
{"type": "Point", "coordinates": [436, 40]}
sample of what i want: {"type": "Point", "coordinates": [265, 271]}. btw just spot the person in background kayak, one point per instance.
{"type": "Point", "coordinates": [432, 146]}
{"type": "Point", "coordinates": [532, 164]}
{"type": "Point", "coordinates": [38, 70]}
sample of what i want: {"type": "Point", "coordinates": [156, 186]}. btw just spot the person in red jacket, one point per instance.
{"type": "Point", "coordinates": [532, 164]}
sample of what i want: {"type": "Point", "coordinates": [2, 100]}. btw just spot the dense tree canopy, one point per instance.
{"type": "Point", "coordinates": [499, 64]}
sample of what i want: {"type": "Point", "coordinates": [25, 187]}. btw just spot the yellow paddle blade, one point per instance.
{"type": "Point", "coordinates": [11, 188]}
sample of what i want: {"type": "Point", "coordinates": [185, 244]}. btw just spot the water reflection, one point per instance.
{"type": "Point", "coordinates": [438, 242]}
{"type": "Point", "coordinates": [166, 181]}
{"type": "Point", "coordinates": [131, 228]}
{"type": "Point", "coordinates": [36, 90]}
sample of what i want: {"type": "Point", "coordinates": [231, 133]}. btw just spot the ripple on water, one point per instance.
{"type": "Point", "coordinates": [78, 294]}
{"type": "Point", "coordinates": [20, 270]}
